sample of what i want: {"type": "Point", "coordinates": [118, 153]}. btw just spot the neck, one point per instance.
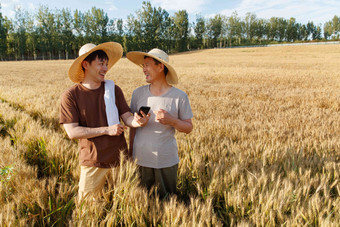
{"type": "Point", "coordinates": [90, 84]}
{"type": "Point", "coordinates": [159, 88]}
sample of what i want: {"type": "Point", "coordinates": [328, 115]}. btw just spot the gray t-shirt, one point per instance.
{"type": "Point", "coordinates": [155, 145]}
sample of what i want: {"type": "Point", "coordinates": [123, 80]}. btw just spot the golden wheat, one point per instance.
{"type": "Point", "coordinates": [264, 150]}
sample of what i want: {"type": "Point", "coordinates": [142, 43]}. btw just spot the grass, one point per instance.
{"type": "Point", "coordinates": [264, 150]}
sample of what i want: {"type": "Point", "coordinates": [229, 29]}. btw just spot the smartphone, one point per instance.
{"type": "Point", "coordinates": [145, 110]}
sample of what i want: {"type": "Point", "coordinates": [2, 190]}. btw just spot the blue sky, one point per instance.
{"type": "Point", "coordinates": [318, 11]}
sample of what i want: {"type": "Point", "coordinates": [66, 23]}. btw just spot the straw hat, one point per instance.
{"type": "Point", "coordinates": [138, 58]}
{"type": "Point", "coordinates": [113, 50]}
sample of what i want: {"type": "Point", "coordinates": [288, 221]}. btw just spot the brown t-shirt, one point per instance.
{"type": "Point", "coordinates": [87, 107]}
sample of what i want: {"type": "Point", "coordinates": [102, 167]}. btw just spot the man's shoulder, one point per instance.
{"type": "Point", "coordinates": [178, 92]}
{"type": "Point", "coordinates": [70, 94]}
{"type": "Point", "coordinates": [141, 89]}
{"type": "Point", "coordinates": [118, 88]}
{"type": "Point", "coordinates": [71, 90]}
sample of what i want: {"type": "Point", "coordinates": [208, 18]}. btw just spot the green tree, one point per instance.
{"type": "Point", "coordinates": [168, 36]}
{"type": "Point", "coordinates": [303, 32]}
{"type": "Point", "coordinates": [328, 30]}
{"type": "Point", "coordinates": [273, 28]}
{"type": "Point", "coordinates": [95, 23]}
{"type": "Point", "coordinates": [332, 28]}
{"type": "Point", "coordinates": [65, 32]}
{"type": "Point", "coordinates": [166, 32]}
{"type": "Point", "coordinates": [116, 30]}
{"type": "Point", "coordinates": [46, 31]}
{"type": "Point", "coordinates": [282, 29]}
{"type": "Point", "coordinates": [336, 26]}
{"type": "Point", "coordinates": [20, 36]}
{"type": "Point", "coordinates": [181, 23]}
{"type": "Point", "coordinates": [57, 35]}
{"type": "Point", "coordinates": [78, 30]}
{"type": "Point", "coordinates": [3, 36]}
{"type": "Point", "coordinates": [120, 31]}
{"type": "Point", "coordinates": [88, 23]}
{"type": "Point", "coordinates": [261, 29]}
{"type": "Point", "coordinates": [149, 29]}
{"type": "Point", "coordinates": [250, 26]}
{"type": "Point", "coordinates": [234, 29]}
{"type": "Point", "coordinates": [317, 33]}
{"type": "Point", "coordinates": [311, 29]}
{"type": "Point", "coordinates": [111, 29]}
{"type": "Point", "coordinates": [32, 37]}
{"type": "Point", "coordinates": [292, 30]}
{"type": "Point", "coordinates": [215, 29]}
{"type": "Point", "coordinates": [151, 25]}
{"type": "Point", "coordinates": [199, 29]}
{"type": "Point", "coordinates": [133, 38]}
{"type": "Point", "coordinates": [100, 24]}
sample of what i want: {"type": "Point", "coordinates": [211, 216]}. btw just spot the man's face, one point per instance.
{"type": "Point", "coordinates": [152, 71]}
{"type": "Point", "coordinates": [96, 70]}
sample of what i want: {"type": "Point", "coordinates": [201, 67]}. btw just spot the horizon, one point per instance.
{"type": "Point", "coordinates": [319, 12]}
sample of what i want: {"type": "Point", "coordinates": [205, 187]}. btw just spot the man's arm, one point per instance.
{"type": "Point", "coordinates": [74, 131]}
{"type": "Point", "coordinates": [163, 117]}
{"type": "Point", "coordinates": [183, 125]}
{"type": "Point", "coordinates": [135, 120]}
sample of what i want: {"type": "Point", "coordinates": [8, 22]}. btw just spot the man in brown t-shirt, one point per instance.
{"type": "Point", "coordinates": [85, 116]}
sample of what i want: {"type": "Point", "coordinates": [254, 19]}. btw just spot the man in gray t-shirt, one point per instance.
{"type": "Point", "coordinates": [154, 146]}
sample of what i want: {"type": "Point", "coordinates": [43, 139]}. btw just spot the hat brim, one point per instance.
{"type": "Point", "coordinates": [137, 57]}
{"type": "Point", "coordinates": [113, 50]}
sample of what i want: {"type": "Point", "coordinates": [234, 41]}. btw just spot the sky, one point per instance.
{"type": "Point", "coordinates": [318, 11]}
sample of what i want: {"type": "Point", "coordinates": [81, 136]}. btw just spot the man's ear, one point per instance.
{"type": "Point", "coordinates": [161, 67]}
{"type": "Point", "coordinates": [85, 64]}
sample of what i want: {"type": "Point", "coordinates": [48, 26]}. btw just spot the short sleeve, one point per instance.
{"type": "Point", "coordinates": [68, 109]}
{"type": "Point", "coordinates": [133, 103]}
{"type": "Point", "coordinates": [185, 111]}
{"type": "Point", "coordinates": [121, 103]}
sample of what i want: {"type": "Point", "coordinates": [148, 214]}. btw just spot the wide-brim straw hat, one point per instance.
{"type": "Point", "coordinates": [137, 57]}
{"type": "Point", "coordinates": [113, 50]}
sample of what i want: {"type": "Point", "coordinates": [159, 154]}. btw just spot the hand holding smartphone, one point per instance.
{"type": "Point", "coordinates": [145, 110]}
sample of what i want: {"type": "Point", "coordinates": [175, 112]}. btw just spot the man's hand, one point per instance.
{"type": "Point", "coordinates": [115, 130]}
{"type": "Point", "coordinates": [142, 121]}
{"type": "Point", "coordinates": [135, 120]}
{"type": "Point", "coordinates": [163, 117]}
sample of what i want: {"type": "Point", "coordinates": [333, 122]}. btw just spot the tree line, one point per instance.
{"type": "Point", "coordinates": [59, 33]}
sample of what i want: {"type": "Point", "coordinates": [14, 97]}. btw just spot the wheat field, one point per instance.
{"type": "Point", "coordinates": [265, 149]}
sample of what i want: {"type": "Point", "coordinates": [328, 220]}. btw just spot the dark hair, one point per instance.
{"type": "Point", "coordinates": [98, 53]}
{"type": "Point", "coordinates": [158, 62]}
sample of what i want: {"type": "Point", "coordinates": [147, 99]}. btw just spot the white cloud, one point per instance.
{"type": "Point", "coordinates": [318, 11]}
{"type": "Point", "coordinates": [191, 6]}
{"type": "Point", "coordinates": [9, 3]}
{"type": "Point", "coordinates": [8, 7]}
{"type": "Point", "coordinates": [31, 6]}
{"type": "Point", "coordinates": [111, 6]}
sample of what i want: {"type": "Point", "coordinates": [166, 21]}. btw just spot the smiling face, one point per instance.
{"type": "Point", "coordinates": [96, 70]}
{"type": "Point", "coordinates": [153, 71]}
{"type": "Point", "coordinates": [95, 66]}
